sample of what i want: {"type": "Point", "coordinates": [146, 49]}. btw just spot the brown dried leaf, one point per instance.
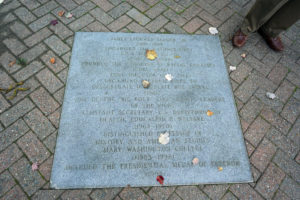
{"type": "Point", "coordinates": [151, 54]}
{"type": "Point", "coordinates": [12, 63]}
{"type": "Point", "coordinates": [61, 13]}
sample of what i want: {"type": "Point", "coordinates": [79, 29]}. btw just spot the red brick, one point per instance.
{"type": "Point", "coordinates": [119, 23]}
{"type": "Point", "coordinates": [136, 28]}
{"type": "Point", "coordinates": [10, 155]}
{"type": "Point", "coordinates": [6, 182]}
{"type": "Point", "coordinates": [44, 101]}
{"type": "Point", "coordinates": [193, 25]}
{"type": "Point", "coordinates": [209, 18]}
{"type": "Point", "coordinates": [104, 4]}
{"type": "Point", "coordinates": [33, 148]}
{"type": "Point", "coordinates": [284, 91]}
{"type": "Point", "coordinates": [76, 194]}
{"type": "Point", "coordinates": [39, 123]}
{"type": "Point", "coordinates": [249, 147]}
{"type": "Point", "coordinates": [46, 167]}
{"type": "Point", "coordinates": [291, 110]}
{"type": "Point", "coordinates": [281, 124]}
{"type": "Point", "coordinates": [277, 74]}
{"type": "Point", "coordinates": [49, 80]}
{"type": "Point", "coordinates": [263, 154]}
{"type": "Point", "coordinates": [191, 12]}
{"type": "Point", "coordinates": [257, 131]}
{"type": "Point", "coordinates": [244, 191]}
{"type": "Point", "coordinates": [29, 180]}
{"type": "Point", "coordinates": [15, 194]}
{"type": "Point", "coordinates": [270, 181]}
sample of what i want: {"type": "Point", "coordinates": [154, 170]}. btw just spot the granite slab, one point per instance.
{"type": "Point", "coordinates": [110, 124]}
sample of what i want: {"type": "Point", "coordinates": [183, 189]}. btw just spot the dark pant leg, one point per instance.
{"type": "Point", "coordinates": [285, 17]}
{"type": "Point", "coordinates": [260, 13]}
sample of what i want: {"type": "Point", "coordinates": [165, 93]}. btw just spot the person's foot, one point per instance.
{"type": "Point", "coordinates": [274, 43]}
{"type": "Point", "coordinates": [239, 39]}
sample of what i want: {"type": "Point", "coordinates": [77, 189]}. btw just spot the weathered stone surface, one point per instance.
{"type": "Point", "coordinates": [110, 124]}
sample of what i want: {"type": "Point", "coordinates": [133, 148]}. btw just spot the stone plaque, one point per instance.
{"type": "Point", "coordinates": [110, 124]}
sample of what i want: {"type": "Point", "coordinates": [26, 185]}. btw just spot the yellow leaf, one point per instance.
{"type": "Point", "coordinates": [151, 54]}
{"type": "Point", "coordinates": [220, 168]}
{"type": "Point", "coordinates": [177, 56]}
{"type": "Point", "coordinates": [12, 63]}
{"type": "Point", "coordinates": [209, 113]}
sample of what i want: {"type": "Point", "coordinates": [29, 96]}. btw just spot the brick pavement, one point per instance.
{"type": "Point", "coordinates": [29, 122]}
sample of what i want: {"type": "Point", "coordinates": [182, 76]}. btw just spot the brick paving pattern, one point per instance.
{"type": "Point", "coordinates": [29, 122]}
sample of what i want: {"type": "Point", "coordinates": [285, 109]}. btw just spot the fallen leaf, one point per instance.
{"type": "Point", "coordinates": [164, 138]}
{"type": "Point", "coordinates": [34, 166]}
{"type": "Point", "coordinates": [169, 77]}
{"type": "Point", "coordinates": [220, 168]}
{"type": "Point", "coordinates": [52, 60]}
{"type": "Point", "coordinates": [151, 54]}
{"type": "Point", "coordinates": [160, 179]}
{"type": "Point", "coordinates": [213, 30]}
{"type": "Point", "coordinates": [145, 83]}
{"type": "Point", "coordinates": [54, 22]}
{"type": "Point", "coordinates": [243, 55]}
{"type": "Point", "coordinates": [270, 95]}
{"type": "Point", "coordinates": [209, 113]}
{"type": "Point", "coordinates": [12, 63]}
{"type": "Point", "coordinates": [69, 15]}
{"type": "Point", "coordinates": [195, 161]}
{"type": "Point", "coordinates": [232, 68]}
{"type": "Point", "coordinates": [61, 13]}
{"type": "Point", "coordinates": [177, 56]}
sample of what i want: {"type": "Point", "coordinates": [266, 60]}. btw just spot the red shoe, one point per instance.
{"type": "Point", "coordinates": [239, 39]}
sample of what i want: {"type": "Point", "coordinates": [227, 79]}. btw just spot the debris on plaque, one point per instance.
{"type": "Point", "coordinates": [213, 30]}
{"type": "Point", "coordinates": [243, 55]}
{"type": "Point", "coordinates": [209, 113]}
{"type": "Point", "coordinates": [160, 179]}
{"type": "Point", "coordinates": [270, 95]}
{"type": "Point", "coordinates": [52, 60]}
{"type": "Point", "coordinates": [220, 168]}
{"type": "Point", "coordinates": [69, 15]}
{"type": "Point", "coordinates": [61, 13]}
{"type": "Point", "coordinates": [54, 22]}
{"type": "Point", "coordinates": [35, 166]}
{"type": "Point", "coordinates": [169, 77]}
{"type": "Point", "coordinates": [151, 54]}
{"type": "Point", "coordinates": [145, 83]}
{"type": "Point", "coordinates": [195, 161]}
{"type": "Point", "coordinates": [232, 68]}
{"type": "Point", "coordinates": [12, 63]}
{"type": "Point", "coordinates": [164, 138]}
